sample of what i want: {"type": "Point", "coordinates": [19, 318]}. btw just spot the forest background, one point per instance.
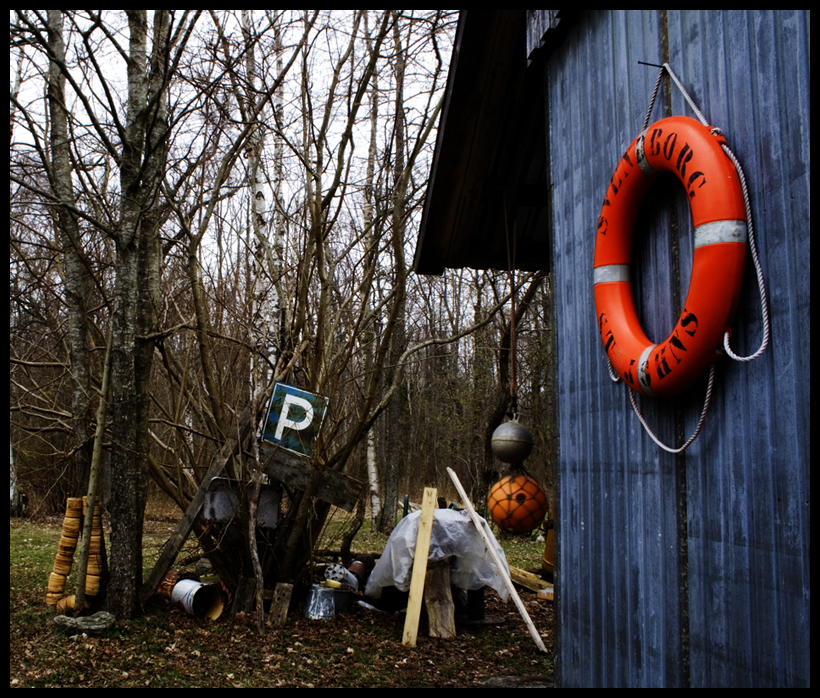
{"type": "Point", "coordinates": [209, 202]}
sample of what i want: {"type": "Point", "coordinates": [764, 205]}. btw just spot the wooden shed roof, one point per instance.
{"type": "Point", "coordinates": [490, 154]}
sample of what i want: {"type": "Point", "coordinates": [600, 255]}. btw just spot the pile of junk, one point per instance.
{"type": "Point", "coordinates": [385, 584]}
{"type": "Point", "coordinates": [380, 582]}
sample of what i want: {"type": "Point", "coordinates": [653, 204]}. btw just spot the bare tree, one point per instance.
{"type": "Point", "coordinates": [137, 142]}
{"type": "Point", "coordinates": [234, 195]}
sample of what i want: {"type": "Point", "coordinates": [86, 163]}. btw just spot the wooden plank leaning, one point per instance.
{"type": "Point", "coordinates": [499, 565]}
{"type": "Point", "coordinates": [411, 621]}
{"type": "Point", "coordinates": [186, 523]}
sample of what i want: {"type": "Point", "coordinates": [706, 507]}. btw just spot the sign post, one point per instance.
{"type": "Point", "coordinates": [294, 419]}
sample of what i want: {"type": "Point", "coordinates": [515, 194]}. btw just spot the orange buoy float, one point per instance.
{"type": "Point", "coordinates": [517, 504]}
{"type": "Point", "coordinates": [692, 152]}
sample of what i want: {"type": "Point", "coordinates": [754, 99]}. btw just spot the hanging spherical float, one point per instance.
{"type": "Point", "coordinates": [511, 442]}
{"type": "Point", "coordinates": [517, 504]}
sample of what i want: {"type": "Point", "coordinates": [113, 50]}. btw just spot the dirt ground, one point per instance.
{"type": "Point", "coordinates": [357, 648]}
{"type": "Point", "coordinates": [168, 648]}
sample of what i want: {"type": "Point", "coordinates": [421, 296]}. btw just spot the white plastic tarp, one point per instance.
{"type": "Point", "coordinates": [454, 535]}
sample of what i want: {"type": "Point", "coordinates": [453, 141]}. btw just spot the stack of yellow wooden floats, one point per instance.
{"type": "Point", "coordinates": [72, 526]}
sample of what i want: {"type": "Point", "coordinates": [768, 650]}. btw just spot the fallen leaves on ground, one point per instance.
{"type": "Point", "coordinates": [358, 648]}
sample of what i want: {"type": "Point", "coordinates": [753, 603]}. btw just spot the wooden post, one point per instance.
{"type": "Point", "coordinates": [438, 600]}
{"type": "Point", "coordinates": [280, 603]}
{"type": "Point", "coordinates": [499, 566]}
{"type": "Point", "coordinates": [411, 622]}
{"type": "Point", "coordinates": [244, 596]}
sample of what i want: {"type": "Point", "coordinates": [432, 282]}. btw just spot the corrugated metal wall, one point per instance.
{"type": "Point", "coordinates": [692, 569]}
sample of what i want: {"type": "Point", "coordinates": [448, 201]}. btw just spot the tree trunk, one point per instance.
{"type": "Point", "coordinates": [373, 481]}
{"type": "Point", "coordinates": [136, 295]}
{"type": "Point", "coordinates": [394, 328]}
{"type": "Point", "coordinates": [74, 267]}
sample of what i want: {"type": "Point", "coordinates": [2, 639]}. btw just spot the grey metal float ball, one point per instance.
{"type": "Point", "coordinates": [512, 442]}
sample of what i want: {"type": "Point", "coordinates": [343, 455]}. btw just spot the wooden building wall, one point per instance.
{"type": "Point", "coordinates": [691, 569]}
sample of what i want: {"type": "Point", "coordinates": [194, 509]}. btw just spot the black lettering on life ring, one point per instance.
{"type": "Point", "coordinates": [694, 176]}
{"type": "Point", "coordinates": [675, 343]}
{"type": "Point", "coordinates": [655, 148]}
{"type": "Point", "coordinates": [688, 320]}
{"type": "Point", "coordinates": [669, 145]}
{"type": "Point", "coordinates": [628, 377]}
{"type": "Point", "coordinates": [663, 368]}
{"type": "Point", "coordinates": [612, 184]}
{"type": "Point", "coordinates": [621, 173]}
{"type": "Point", "coordinates": [685, 155]}
{"type": "Point", "coordinates": [610, 338]}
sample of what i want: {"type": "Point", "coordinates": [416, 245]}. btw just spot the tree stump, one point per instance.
{"type": "Point", "coordinates": [438, 600]}
{"type": "Point", "coordinates": [280, 603]}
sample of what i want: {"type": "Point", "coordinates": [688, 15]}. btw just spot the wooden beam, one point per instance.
{"type": "Point", "coordinates": [498, 564]}
{"type": "Point", "coordinates": [411, 621]}
{"type": "Point", "coordinates": [294, 470]}
{"type": "Point", "coordinates": [528, 580]}
{"type": "Point", "coordinates": [186, 523]}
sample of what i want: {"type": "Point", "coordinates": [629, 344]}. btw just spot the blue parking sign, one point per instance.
{"type": "Point", "coordinates": [294, 418]}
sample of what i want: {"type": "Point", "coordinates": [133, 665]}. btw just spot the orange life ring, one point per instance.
{"type": "Point", "coordinates": [689, 150]}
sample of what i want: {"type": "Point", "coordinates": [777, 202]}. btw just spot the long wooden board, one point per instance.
{"type": "Point", "coordinates": [498, 564]}
{"type": "Point", "coordinates": [186, 523]}
{"type": "Point", "coordinates": [411, 621]}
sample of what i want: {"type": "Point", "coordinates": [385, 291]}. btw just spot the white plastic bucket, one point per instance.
{"type": "Point", "coordinates": [198, 599]}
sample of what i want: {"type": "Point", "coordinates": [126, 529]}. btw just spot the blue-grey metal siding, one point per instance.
{"type": "Point", "coordinates": [694, 569]}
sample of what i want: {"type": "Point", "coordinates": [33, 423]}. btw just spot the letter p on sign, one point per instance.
{"type": "Point", "coordinates": [294, 418]}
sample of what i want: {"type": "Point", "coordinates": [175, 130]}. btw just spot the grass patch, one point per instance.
{"type": "Point", "coordinates": [166, 648]}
